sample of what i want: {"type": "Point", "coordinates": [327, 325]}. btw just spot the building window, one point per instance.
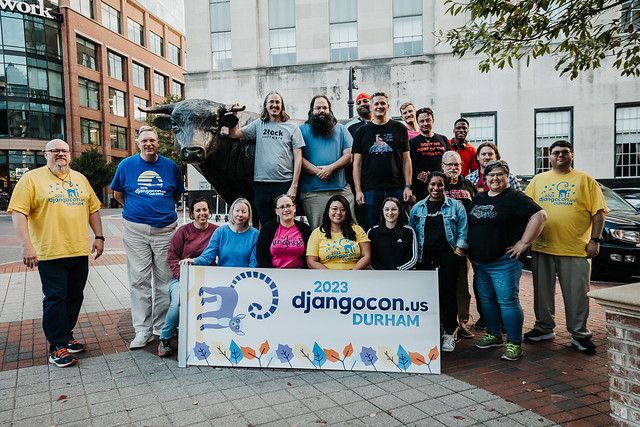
{"type": "Point", "coordinates": [628, 141]}
{"type": "Point", "coordinates": [282, 32]}
{"type": "Point", "coordinates": [139, 76]}
{"type": "Point", "coordinates": [87, 53]}
{"type": "Point", "coordinates": [118, 137]}
{"type": "Point", "coordinates": [343, 29]}
{"type": "Point", "coordinates": [156, 44]}
{"type": "Point", "coordinates": [174, 54]}
{"type": "Point", "coordinates": [220, 13]}
{"type": "Point", "coordinates": [137, 103]}
{"type": "Point", "coordinates": [407, 27]}
{"type": "Point", "coordinates": [159, 84]}
{"type": "Point", "coordinates": [111, 18]}
{"type": "Point", "coordinates": [117, 103]}
{"type": "Point", "coordinates": [84, 7]}
{"type": "Point", "coordinates": [90, 132]}
{"type": "Point", "coordinates": [116, 66]}
{"type": "Point", "coordinates": [135, 32]}
{"type": "Point", "coordinates": [89, 93]}
{"type": "Point", "coordinates": [551, 125]}
{"type": "Point", "coordinates": [630, 15]}
{"type": "Point", "coordinates": [482, 128]}
{"type": "Point", "coordinates": [177, 89]}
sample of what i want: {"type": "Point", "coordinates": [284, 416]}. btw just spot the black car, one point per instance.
{"type": "Point", "coordinates": [631, 195]}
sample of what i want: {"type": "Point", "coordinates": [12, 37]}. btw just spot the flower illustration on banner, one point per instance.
{"type": "Point", "coordinates": [201, 351]}
{"type": "Point", "coordinates": [333, 356]}
{"type": "Point", "coordinates": [249, 353]}
{"type": "Point", "coordinates": [318, 355]}
{"type": "Point", "coordinates": [387, 356]}
{"type": "Point", "coordinates": [235, 353]}
{"type": "Point", "coordinates": [404, 360]}
{"type": "Point", "coordinates": [369, 357]}
{"type": "Point", "coordinates": [220, 351]}
{"type": "Point", "coordinates": [285, 354]}
{"type": "Point", "coordinates": [304, 353]}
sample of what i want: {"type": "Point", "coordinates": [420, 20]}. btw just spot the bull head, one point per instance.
{"type": "Point", "coordinates": [195, 124]}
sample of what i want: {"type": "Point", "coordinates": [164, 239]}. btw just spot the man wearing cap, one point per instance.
{"type": "Point", "coordinates": [363, 108]}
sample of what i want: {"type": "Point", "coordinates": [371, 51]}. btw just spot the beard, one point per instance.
{"type": "Point", "coordinates": [60, 169]}
{"type": "Point", "coordinates": [322, 125]}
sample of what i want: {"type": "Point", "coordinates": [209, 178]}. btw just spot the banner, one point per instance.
{"type": "Point", "coordinates": [310, 319]}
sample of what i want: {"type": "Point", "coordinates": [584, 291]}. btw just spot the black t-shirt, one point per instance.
{"type": "Point", "coordinates": [381, 147]}
{"type": "Point", "coordinates": [434, 235]}
{"type": "Point", "coordinates": [497, 222]}
{"type": "Point", "coordinates": [390, 251]}
{"type": "Point", "coordinates": [463, 190]}
{"type": "Point", "coordinates": [426, 156]}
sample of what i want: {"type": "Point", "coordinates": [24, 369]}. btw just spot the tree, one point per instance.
{"type": "Point", "coordinates": [580, 34]}
{"type": "Point", "coordinates": [92, 164]}
{"type": "Point", "coordinates": [166, 148]}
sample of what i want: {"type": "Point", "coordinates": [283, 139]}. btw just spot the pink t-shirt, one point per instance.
{"type": "Point", "coordinates": [287, 248]}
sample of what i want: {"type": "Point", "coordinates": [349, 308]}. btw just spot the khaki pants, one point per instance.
{"type": "Point", "coordinates": [573, 275]}
{"type": "Point", "coordinates": [149, 274]}
{"type": "Point", "coordinates": [315, 202]}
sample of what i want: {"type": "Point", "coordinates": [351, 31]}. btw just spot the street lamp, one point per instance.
{"type": "Point", "coordinates": [352, 85]}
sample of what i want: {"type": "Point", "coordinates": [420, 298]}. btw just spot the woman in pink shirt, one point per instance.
{"type": "Point", "coordinates": [283, 243]}
{"type": "Point", "coordinates": [188, 242]}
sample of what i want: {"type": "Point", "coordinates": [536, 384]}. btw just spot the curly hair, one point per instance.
{"type": "Point", "coordinates": [347, 224]}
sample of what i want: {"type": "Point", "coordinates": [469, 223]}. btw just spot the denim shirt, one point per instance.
{"type": "Point", "coordinates": [455, 223]}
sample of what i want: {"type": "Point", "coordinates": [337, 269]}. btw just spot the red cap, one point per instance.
{"type": "Point", "coordinates": [363, 95]}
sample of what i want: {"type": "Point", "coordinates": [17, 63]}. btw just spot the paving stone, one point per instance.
{"type": "Point", "coordinates": [71, 415]}
{"type": "Point", "coordinates": [503, 406]}
{"type": "Point", "coordinates": [412, 395]}
{"type": "Point", "coordinates": [387, 402]}
{"type": "Point", "coordinates": [261, 416]}
{"type": "Point", "coordinates": [106, 407]}
{"type": "Point", "coordinates": [334, 415]}
{"type": "Point", "coordinates": [432, 407]}
{"type": "Point", "coordinates": [249, 403]}
{"type": "Point", "coordinates": [319, 402]}
{"type": "Point", "coordinates": [116, 418]}
{"type": "Point", "coordinates": [455, 418]}
{"type": "Point", "coordinates": [32, 399]}
{"type": "Point", "coordinates": [360, 409]}
{"type": "Point", "coordinates": [369, 391]}
{"type": "Point", "coordinates": [42, 420]}
{"type": "Point", "coordinates": [184, 418]}
{"type": "Point", "coordinates": [456, 401]}
{"type": "Point", "coordinates": [31, 411]}
{"type": "Point", "coordinates": [408, 414]}
{"type": "Point", "coordinates": [218, 410]}
{"type": "Point", "coordinates": [456, 385]}
{"type": "Point", "coordinates": [231, 421]}
{"type": "Point", "coordinates": [156, 421]}
{"type": "Point", "coordinates": [146, 412]}
{"type": "Point", "coordinates": [478, 395]}
{"type": "Point", "coordinates": [134, 390]}
{"type": "Point", "coordinates": [529, 418]}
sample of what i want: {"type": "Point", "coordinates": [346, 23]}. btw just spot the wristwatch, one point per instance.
{"type": "Point", "coordinates": [596, 239]}
{"type": "Point", "coordinates": [407, 186]}
{"type": "Point", "coordinates": [99, 238]}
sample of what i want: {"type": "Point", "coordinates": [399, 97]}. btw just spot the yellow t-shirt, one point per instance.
{"type": "Point", "coordinates": [570, 201]}
{"type": "Point", "coordinates": [337, 253]}
{"type": "Point", "coordinates": [57, 212]}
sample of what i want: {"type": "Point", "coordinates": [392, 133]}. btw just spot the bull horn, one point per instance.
{"type": "Point", "coordinates": [158, 109]}
{"type": "Point", "coordinates": [236, 108]}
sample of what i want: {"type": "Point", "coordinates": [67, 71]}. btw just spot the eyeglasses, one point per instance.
{"type": "Point", "coordinates": [54, 151]}
{"type": "Point", "coordinates": [562, 152]}
{"type": "Point", "coordinates": [282, 207]}
{"type": "Point", "coordinates": [452, 164]}
{"type": "Point", "coordinates": [496, 174]}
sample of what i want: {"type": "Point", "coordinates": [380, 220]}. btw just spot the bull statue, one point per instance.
{"type": "Point", "coordinates": [201, 138]}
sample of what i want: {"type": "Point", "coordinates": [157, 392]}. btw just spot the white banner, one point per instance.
{"type": "Point", "coordinates": [310, 319]}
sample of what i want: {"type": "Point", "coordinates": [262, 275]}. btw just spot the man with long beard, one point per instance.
{"type": "Point", "coordinates": [326, 153]}
{"type": "Point", "coordinates": [51, 208]}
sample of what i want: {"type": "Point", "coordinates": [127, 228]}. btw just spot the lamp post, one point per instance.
{"type": "Point", "coordinates": [352, 85]}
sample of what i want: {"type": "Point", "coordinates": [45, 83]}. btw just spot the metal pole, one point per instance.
{"type": "Point", "coordinates": [350, 101]}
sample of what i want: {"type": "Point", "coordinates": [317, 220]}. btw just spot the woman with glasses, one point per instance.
{"type": "Point", "coordinates": [503, 223]}
{"type": "Point", "coordinates": [338, 244]}
{"type": "Point", "coordinates": [393, 242]}
{"type": "Point", "coordinates": [283, 243]}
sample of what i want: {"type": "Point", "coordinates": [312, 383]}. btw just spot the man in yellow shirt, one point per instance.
{"type": "Point", "coordinates": [51, 207]}
{"type": "Point", "coordinates": [576, 209]}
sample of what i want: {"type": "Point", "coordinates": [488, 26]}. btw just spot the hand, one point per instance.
{"type": "Point", "coordinates": [407, 194]}
{"type": "Point", "coordinates": [97, 248]}
{"type": "Point", "coordinates": [593, 249]}
{"type": "Point", "coordinates": [360, 197]}
{"type": "Point", "coordinates": [29, 256]}
{"type": "Point", "coordinates": [423, 176]}
{"type": "Point", "coordinates": [459, 251]}
{"type": "Point", "coordinates": [186, 261]}
{"type": "Point", "coordinates": [324, 172]}
{"type": "Point", "coordinates": [413, 198]}
{"type": "Point", "coordinates": [292, 191]}
{"type": "Point", "coordinates": [518, 249]}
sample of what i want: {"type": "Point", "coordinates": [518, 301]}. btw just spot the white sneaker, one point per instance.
{"type": "Point", "coordinates": [448, 343]}
{"type": "Point", "coordinates": [140, 341]}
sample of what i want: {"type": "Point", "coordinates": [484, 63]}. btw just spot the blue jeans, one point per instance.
{"type": "Point", "coordinates": [173, 313]}
{"type": "Point", "coordinates": [63, 281]}
{"type": "Point", "coordinates": [264, 199]}
{"type": "Point", "coordinates": [498, 287]}
{"type": "Point", "coordinates": [373, 201]}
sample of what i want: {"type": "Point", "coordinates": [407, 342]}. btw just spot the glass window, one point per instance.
{"type": "Point", "coordinates": [220, 14]}
{"type": "Point", "coordinates": [16, 75]}
{"type": "Point", "coordinates": [89, 93]}
{"type": "Point", "coordinates": [159, 84]}
{"type": "Point", "coordinates": [85, 7]}
{"type": "Point", "coordinates": [282, 34]}
{"type": "Point", "coordinates": [90, 132]}
{"type": "Point", "coordinates": [482, 128]}
{"type": "Point", "coordinates": [551, 125]}
{"type": "Point", "coordinates": [38, 83]}
{"type": "Point", "coordinates": [87, 53]}
{"type": "Point", "coordinates": [135, 32]}
{"type": "Point", "coordinates": [156, 44]}
{"type": "Point", "coordinates": [118, 137]}
{"type": "Point", "coordinates": [13, 33]}
{"type": "Point", "coordinates": [174, 54]}
{"type": "Point", "coordinates": [407, 27]}
{"type": "Point", "coordinates": [177, 89]}
{"type": "Point", "coordinates": [117, 103]}
{"type": "Point", "coordinates": [36, 41]}
{"type": "Point", "coordinates": [628, 141]}
{"type": "Point", "coordinates": [116, 66]}
{"type": "Point", "coordinates": [111, 18]}
{"type": "Point", "coordinates": [343, 29]}
{"type": "Point", "coordinates": [139, 76]}
{"type": "Point", "coordinates": [139, 102]}
{"type": "Point", "coordinates": [54, 45]}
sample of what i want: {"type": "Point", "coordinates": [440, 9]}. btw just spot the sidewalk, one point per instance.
{"type": "Point", "coordinates": [552, 383]}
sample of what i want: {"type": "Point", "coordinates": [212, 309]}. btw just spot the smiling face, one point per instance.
{"type": "Point", "coordinates": [363, 107]}
{"type": "Point", "coordinates": [285, 209]}
{"type": "Point", "coordinates": [436, 188]}
{"type": "Point", "coordinates": [391, 212]}
{"type": "Point", "coordinates": [201, 213]}
{"type": "Point", "coordinates": [497, 180]}
{"type": "Point", "coordinates": [425, 123]}
{"type": "Point", "coordinates": [380, 107]}
{"type": "Point", "coordinates": [485, 156]}
{"type": "Point", "coordinates": [58, 162]}
{"type": "Point", "coordinates": [408, 114]}
{"type": "Point", "coordinates": [337, 213]}
{"type": "Point", "coordinates": [460, 131]}
{"type": "Point", "coordinates": [148, 144]}
{"type": "Point", "coordinates": [273, 104]}
{"type": "Point", "coordinates": [561, 158]}
{"type": "Point", "coordinates": [452, 165]}
{"type": "Point", "coordinates": [240, 214]}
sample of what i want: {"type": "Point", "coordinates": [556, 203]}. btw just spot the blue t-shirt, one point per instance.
{"type": "Point", "coordinates": [232, 249]}
{"type": "Point", "coordinates": [149, 190]}
{"type": "Point", "coordinates": [322, 152]}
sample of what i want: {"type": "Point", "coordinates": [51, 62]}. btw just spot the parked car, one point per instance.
{"type": "Point", "coordinates": [631, 195]}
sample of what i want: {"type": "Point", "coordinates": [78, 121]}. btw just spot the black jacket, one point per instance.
{"type": "Point", "coordinates": [268, 232]}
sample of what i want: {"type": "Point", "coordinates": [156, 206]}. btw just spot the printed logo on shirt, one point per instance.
{"type": "Point", "coordinates": [272, 134]}
{"type": "Point", "coordinates": [560, 193]}
{"type": "Point", "coordinates": [483, 212]}
{"type": "Point", "coordinates": [150, 183]}
{"type": "Point", "coordinates": [286, 242]}
{"type": "Point", "coordinates": [381, 146]}
{"type": "Point", "coordinates": [458, 194]}
{"type": "Point", "coordinates": [66, 192]}
{"type": "Point", "coordinates": [345, 250]}
{"type": "Point", "coordinates": [430, 148]}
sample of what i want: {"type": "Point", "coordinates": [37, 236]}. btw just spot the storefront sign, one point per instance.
{"type": "Point", "coordinates": [27, 8]}
{"type": "Point", "coordinates": [310, 319]}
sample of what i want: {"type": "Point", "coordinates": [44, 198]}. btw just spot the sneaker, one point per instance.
{"type": "Point", "coordinates": [61, 357]}
{"type": "Point", "coordinates": [513, 351]}
{"type": "Point", "coordinates": [75, 347]}
{"type": "Point", "coordinates": [464, 331]}
{"type": "Point", "coordinates": [536, 335]}
{"type": "Point", "coordinates": [164, 348]}
{"type": "Point", "coordinates": [448, 343]}
{"type": "Point", "coordinates": [140, 341]}
{"type": "Point", "coordinates": [584, 344]}
{"type": "Point", "coordinates": [480, 325]}
{"type": "Point", "coordinates": [490, 341]}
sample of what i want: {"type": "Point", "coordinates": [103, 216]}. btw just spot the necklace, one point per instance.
{"type": "Point", "coordinates": [428, 139]}
{"type": "Point", "coordinates": [62, 179]}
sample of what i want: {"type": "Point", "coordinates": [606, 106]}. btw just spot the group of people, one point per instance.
{"type": "Point", "coordinates": [373, 199]}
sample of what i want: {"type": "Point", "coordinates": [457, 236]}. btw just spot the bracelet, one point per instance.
{"type": "Point", "coordinates": [407, 186]}
{"type": "Point", "coordinates": [99, 238]}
